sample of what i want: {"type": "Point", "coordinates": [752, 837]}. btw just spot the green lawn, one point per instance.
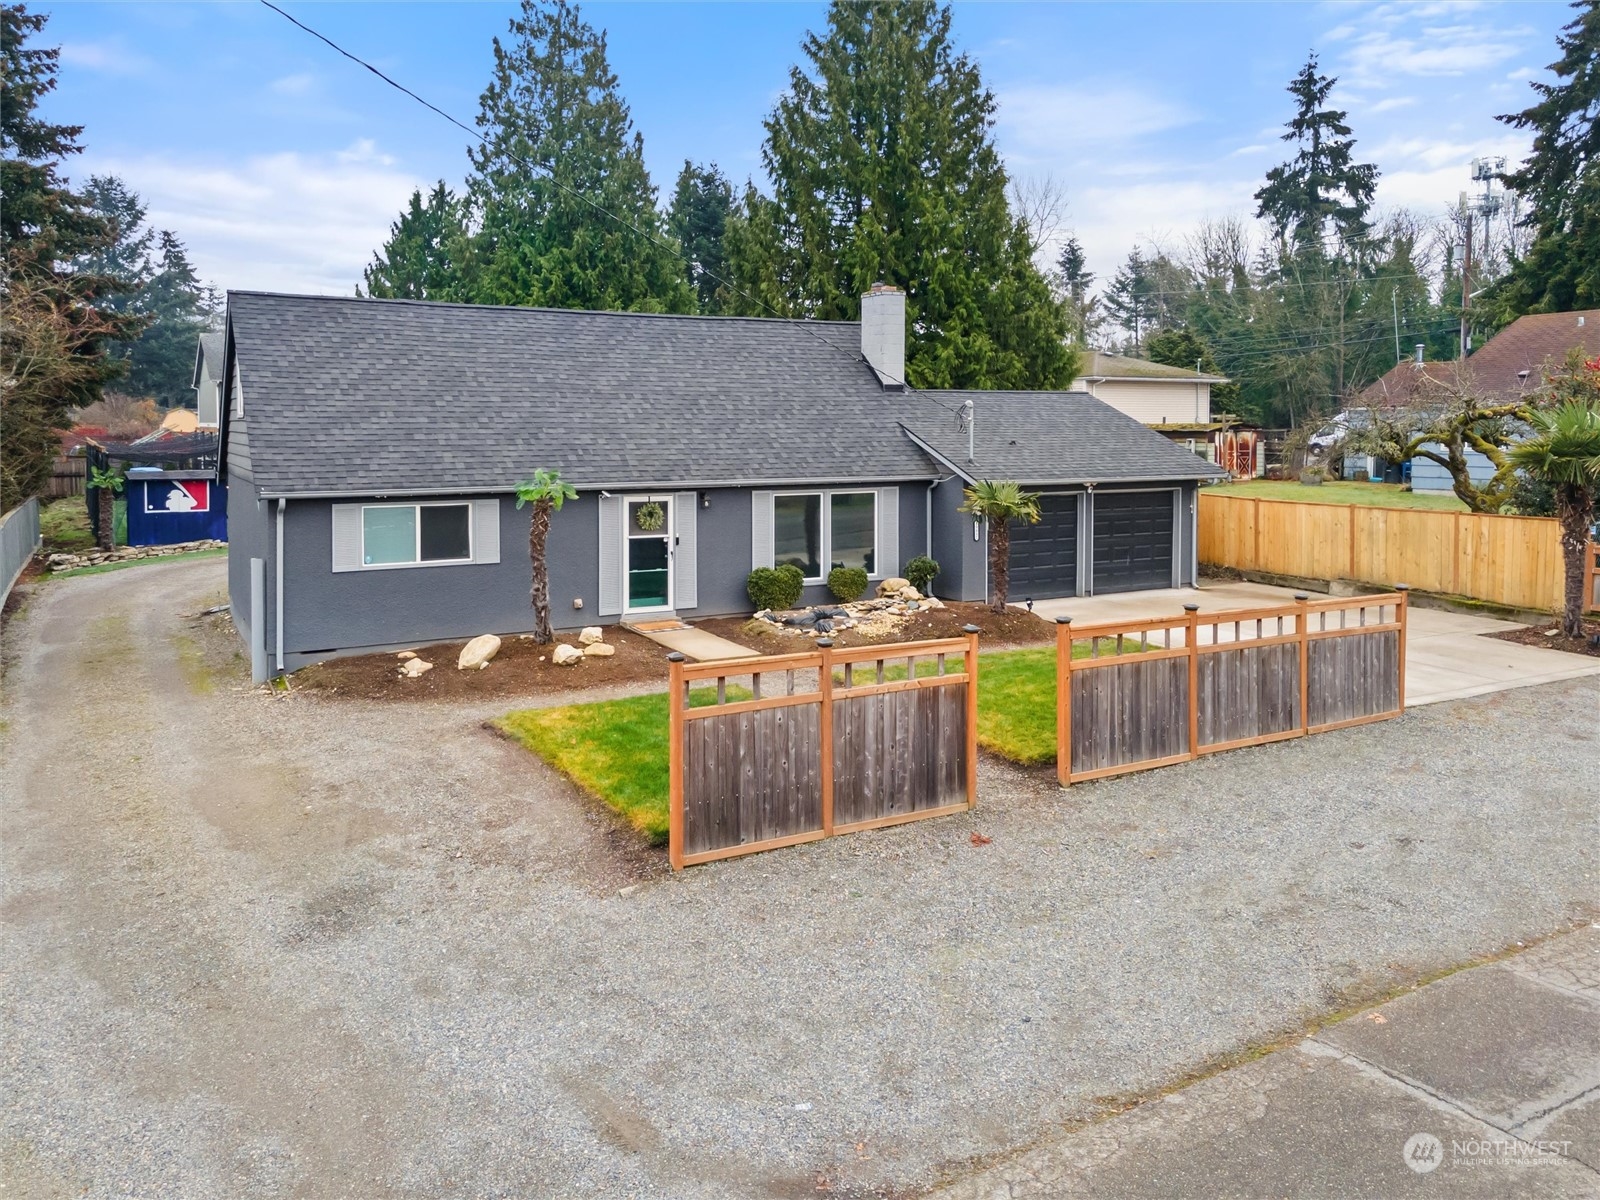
{"type": "Point", "coordinates": [64, 526]}
{"type": "Point", "coordinates": [1340, 491]}
{"type": "Point", "coordinates": [617, 749]}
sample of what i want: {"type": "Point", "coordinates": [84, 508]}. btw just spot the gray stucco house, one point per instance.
{"type": "Point", "coordinates": [371, 449]}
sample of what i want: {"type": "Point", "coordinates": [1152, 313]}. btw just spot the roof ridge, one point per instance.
{"type": "Point", "coordinates": [533, 308]}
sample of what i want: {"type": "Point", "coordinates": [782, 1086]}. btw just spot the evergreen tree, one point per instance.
{"type": "Point", "coordinates": [428, 254]}
{"type": "Point", "coordinates": [178, 308]}
{"type": "Point", "coordinates": [883, 165]}
{"type": "Point", "coordinates": [698, 219]}
{"type": "Point", "coordinates": [1128, 300]}
{"type": "Point", "coordinates": [125, 257]}
{"type": "Point", "coordinates": [568, 211]}
{"type": "Point", "coordinates": [1561, 178]}
{"type": "Point", "coordinates": [53, 339]}
{"type": "Point", "coordinates": [1074, 278]}
{"type": "Point", "coordinates": [1322, 186]}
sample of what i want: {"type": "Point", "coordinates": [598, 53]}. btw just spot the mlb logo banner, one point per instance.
{"type": "Point", "coordinates": [177, 496]}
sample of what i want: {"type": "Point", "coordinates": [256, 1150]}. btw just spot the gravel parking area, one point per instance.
{"type": "Point", "coordinates": [287, 946]}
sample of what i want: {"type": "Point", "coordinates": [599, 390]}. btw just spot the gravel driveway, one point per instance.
{"type": "Point", "coordinates": [288, 946]}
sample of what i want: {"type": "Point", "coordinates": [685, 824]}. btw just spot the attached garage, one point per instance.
{"type": "Point", "coordinates": [1133, 540]}
{"type": "Point", "coordinates": [1044, 557]}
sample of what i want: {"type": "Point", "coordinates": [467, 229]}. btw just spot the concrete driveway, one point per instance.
{"type": "Point", "coordinates": [1447, 655]}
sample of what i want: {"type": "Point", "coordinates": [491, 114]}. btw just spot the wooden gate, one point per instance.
{"type": "Point", "coordinates": [826, 741]}
{"type": "Point", "coordinates": [1140, 694]}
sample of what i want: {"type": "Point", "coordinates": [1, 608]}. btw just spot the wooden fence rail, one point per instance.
{"type": "Point", "coordinates": [1515, 561]}
{"type": "Point", "coordinates": [885, 734]}
{"type": "Point", "coordinates": [1166, 690]}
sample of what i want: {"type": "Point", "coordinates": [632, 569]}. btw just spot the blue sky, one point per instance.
{"type": "Point", "coordinates": [282, 165]}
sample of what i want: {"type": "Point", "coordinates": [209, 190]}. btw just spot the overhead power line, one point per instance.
{"type": "Point", "coordinates": [624, 222]}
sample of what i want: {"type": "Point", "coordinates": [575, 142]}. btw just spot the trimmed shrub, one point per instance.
{"type": "Point", "coordinates": [775, 587]}
{"type": "Point", "coordinates": [847, 583]}
{"type": "Point", "coordinates": [920, 571]}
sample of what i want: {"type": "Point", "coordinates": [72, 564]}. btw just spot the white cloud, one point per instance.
{"type": "Point", "coordinates": [1049, 123]}
{"type": "Point", "coordinates": [280, 222]}
{"type": "Point", "coordinates": [107, 58]}
{"type": "Point", "coordinates": [1390, 103]}
{"type": "Point", "coordinates": [1393, 42]}
{"type": "Point", "coordinates": [300, 84]}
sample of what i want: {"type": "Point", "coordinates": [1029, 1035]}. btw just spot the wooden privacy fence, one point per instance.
{"type": "Point", "coordinates": [884, 734]}
{"type": "Point", "coordinates": [68, 476]}
{"type": "Point", "coordinates": [1515, 561]}
{"type": "Point", "coordinates": [1591, 576]}
{"type": "Point", "coordinates": [1167, 690]}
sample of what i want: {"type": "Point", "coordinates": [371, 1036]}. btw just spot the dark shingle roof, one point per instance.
{"type": "Point", "coordinates": [1532, 344]}
{"type": "Point", "coordinates": [345, 395]}
{"type": "Point", "coordinates": [1055, 438]}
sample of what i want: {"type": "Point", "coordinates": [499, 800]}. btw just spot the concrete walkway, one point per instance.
{"type": "Point", "coordinates": [1447, 656]}
{"type": "Point", "coordinates": [697, 643]}
{"type": "Point", "coordinates": [1483, 1084]}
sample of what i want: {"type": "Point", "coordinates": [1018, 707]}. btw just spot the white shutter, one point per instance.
{"type": "Point", "coordinates": [347, 537]}
{"type": "Point", "coordinates": [760, 529]}
{"type": "Point", "coordinates": [486, 531]}
{"type": "Point", "coordinates": [686, 554]}
{"type": "Point", "coordinates": [611, 580]}
{"type": "Point", "coordinates": [888, 553]}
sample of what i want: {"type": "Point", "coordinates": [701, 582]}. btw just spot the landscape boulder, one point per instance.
{"type": "Point", "coordinates": [598, 650]}
{"type": "Point", "coordinates": [475, 655]}
{"type": "Point", "coordinates": [893, 587]}
{"type": "Point", "coordinates": [565, 656]}
{"type": "Point", "coordinates": [415, 667]}
{"type": "Point", "coordinates": [591, 635]}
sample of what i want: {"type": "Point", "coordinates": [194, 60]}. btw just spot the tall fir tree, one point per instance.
{"type": "Point", "coordinates": [53, 341]}
{"type": "Point", "coordinates": [698, 219]}
{"type": "Point", "coordinates": [1128, 299]}
{"type": "Point", "coordinates": [125, 256]}
{"type": "Point", "coordinates": [882, 160]}
{"type": "Point", "coordinates": [1322, 189]}
{"type": "Point", "coordinates": [429, 253]}
{"type": "Point", "coordinates": [1075, 279]}
{"type": "Point", "coordinates": [179, 308]}
{"type": "Point", "coordinates": [568, 211]}
{"type": "Point", "coordinates": [1561, 270]}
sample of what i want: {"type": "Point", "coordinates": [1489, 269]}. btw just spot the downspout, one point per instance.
{"type": "Point", "coordinates": [278, 583]}
{"type": "Point", "coordinates": [927, 522]}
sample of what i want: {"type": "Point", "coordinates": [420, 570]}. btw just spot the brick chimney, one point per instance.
{"type": "Point", "coordinates": [883, 334]}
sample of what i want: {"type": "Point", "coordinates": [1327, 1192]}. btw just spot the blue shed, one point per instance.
{"type": "Point", "coordinates": [166, 507]}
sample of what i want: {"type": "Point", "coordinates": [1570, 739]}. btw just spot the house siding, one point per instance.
{"type": "Point", "coordinates": [248, 538]}
{"type": "Point", "coordinates": [328, 613]}
{"type": "Point", "coordinates": [962, 559]}
{"type": "Point", "coordinates": [1154, 401]}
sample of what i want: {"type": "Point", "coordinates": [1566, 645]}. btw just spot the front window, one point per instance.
{"type": "Point", "coordinates": [797, 533]}
{"type": "Point", "coordinates": [855, 527]}
{"type": "Point", "coordinates": [415, 533]}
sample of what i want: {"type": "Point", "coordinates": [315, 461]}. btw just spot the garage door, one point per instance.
{"type": "Point", "coordinates": [1132, 541]}
{"type": "Point", "coordinates": [1044, 557]}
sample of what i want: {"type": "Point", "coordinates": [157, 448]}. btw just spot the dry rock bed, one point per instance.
{"type": "Point", "coordinates": [272, 944]}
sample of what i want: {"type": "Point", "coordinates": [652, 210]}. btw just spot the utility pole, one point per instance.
{"type": "Point", "coordinates": [1394, 303]}
{"type": "Point", "coordinates": [1466, 280]}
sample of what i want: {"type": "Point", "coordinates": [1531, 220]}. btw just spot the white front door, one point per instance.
{"type": "Point", "coordinates": [648, 557]}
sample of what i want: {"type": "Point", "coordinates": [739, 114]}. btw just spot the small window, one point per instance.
{"type": "Point", "coordinates": [797, 533]}
{"type": "Point", "coordinates": [393, 534]}
{"type": "Point", "coordinates": [855, 527]}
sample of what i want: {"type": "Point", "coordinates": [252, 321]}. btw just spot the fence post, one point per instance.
{"type": "Point", "coordinates": [1193, 634]}
{"type": "Point", "coordinates": [1064, 700]}
{"type": "Point", "coordinates": [825, 730]}
{"type": "Point", "coordinates": [972, 713]}
{"type": "Point", "coordinates": [675, 701]}
{"type": "Point", "coordinates": [1400, 611]}
{"type": "Point", "coordinates": [1302, 621]}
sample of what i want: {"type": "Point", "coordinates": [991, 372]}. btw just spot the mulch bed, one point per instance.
{"type": "Point", "coordinates": [1539, 635]}
{"type": "Point", "coordinates": [516, 671]}
{"type": "Point", "coordinates": [1013, 628]}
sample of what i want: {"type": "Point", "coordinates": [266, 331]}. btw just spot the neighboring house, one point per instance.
{"type": "Point", "coordinates": [1507, 367]}
{"type": "Point", "coordinates": [207, 379]}
{"type": "Point", "coordinates": [372, 448]}
{"type": "Point", "coordinates": [1176, 402]}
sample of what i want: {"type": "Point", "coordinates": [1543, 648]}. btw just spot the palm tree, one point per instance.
{"type": "Point", "coordinates": [547, 492]}
{"type": "Point", "coordinates": [108, 483]}
{"type": "Point", "coordinates": [1564, 451]}
{"type": "Point", "coordinates": [1000, 504]}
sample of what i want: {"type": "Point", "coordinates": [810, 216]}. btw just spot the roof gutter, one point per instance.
{"type": "Point", "coordinates": [632, 485]}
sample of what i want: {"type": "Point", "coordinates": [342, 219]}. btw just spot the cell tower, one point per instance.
{"type": "Point", "coordinates": [1485, 171]}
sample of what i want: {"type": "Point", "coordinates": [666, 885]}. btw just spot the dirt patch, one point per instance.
{"type": "Point", "coordinates": [1549, 636]}
{"type": "Point", "coordinates": [522, 668]}
{"type": "Point", "coordinates": [1012, 628]}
